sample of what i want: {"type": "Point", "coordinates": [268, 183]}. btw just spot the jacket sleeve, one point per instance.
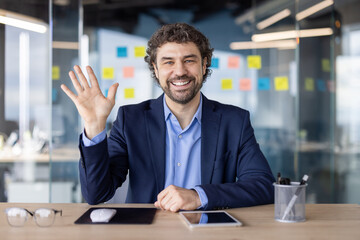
{"type": "Point", "coordinates": [254, 179]}
{"type": "Point", "coordinates": [102, 170]}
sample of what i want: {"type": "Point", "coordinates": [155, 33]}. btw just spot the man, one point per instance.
{"type": "Point", "coordinates": [181, 150]}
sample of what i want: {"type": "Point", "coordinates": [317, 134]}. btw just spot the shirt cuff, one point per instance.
{"type": "Point", "coordinates": [97, 139]}
{"type": "Point", "coordinates": [203, 197]}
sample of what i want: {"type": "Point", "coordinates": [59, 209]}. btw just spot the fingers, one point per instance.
{"type": "Point", "coordinates": [93, 80]}
{"type": "Point", "coordinates": [68, 92]}
{"type": "Point", "coordinates": [112, 92]}
{"type": "Point", "coordinates": [169, 199]}
{"type": "Point", "coordinates": [81, 77]}
{"type": "Point", "coordinates": [75, 82]}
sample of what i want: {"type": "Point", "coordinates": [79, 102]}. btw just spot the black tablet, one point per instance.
{"type": "Point", "coordinates": [209, 219]}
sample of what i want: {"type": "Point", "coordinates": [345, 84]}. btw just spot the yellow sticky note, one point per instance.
{"type": "Point", "coordinates": [325, 64]}
{"type": "Point", "coordinates": [108, 73]}
{"type": "Point", "coordinates": [281, 83]}
{"type": "Point", "coordinates": [233, 62]}
{"type": "Point", "coordinates": [129, 93]}
{"type": "Point", "coordinates": [128, 72]}
{"type": "Point", "coordinates": [55, 72]}
{"type": "Point", "coordinates": [254, 61]}
{"type": "Point", "coordinates": [139, 51]}
{"type": "Point", "coordinates": [226, 84]}
{"type": "Point", "coordinates": [309, 84]}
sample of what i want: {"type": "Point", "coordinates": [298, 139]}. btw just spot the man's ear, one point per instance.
{"type": "Point", "coordinates": [155, 70]}
{"type": "Point", "coordinates": [204, 65]}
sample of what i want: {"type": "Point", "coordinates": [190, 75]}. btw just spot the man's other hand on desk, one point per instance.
{"type": "Point", "coordinates": [174, 198]}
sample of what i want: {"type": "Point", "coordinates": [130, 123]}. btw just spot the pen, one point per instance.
{"type": "Point", "coordinates": [293, 199]}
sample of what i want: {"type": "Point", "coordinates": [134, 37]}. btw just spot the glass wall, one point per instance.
{"type": "Point", "coordinates": [292, 64]}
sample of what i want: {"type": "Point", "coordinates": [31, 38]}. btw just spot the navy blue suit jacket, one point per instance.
{"type": "Point", "coordinates": [234, 172]}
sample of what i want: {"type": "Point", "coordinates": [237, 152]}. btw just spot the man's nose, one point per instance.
{"type": "Point", "coordinates": [180, 69]}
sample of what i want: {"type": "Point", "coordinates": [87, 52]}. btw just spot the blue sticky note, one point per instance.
{"type": "Point", "coordinates": [264, 84]}
{"type": "Point", "coordinates": [214, 63]}
{"type": "Point", "coordinates": [106, 92]}
{"type": "Point", "coordinates": [54, 95]}
{"type": "Point", "coordinates": [122, 52]}
{"type": "Point", "coordinates": [321, 85]}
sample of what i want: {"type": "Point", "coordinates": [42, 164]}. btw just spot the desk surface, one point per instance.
{"type": "Point", "coordinates": [324, 221]}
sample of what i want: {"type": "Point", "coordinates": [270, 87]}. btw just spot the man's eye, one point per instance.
{"type": "Point", "coordinates": [169, 63]}
{"type": "Point", "coordinates": [189, 61]}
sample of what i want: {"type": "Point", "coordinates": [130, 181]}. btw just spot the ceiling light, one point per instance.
{"type": "Point", "coordinates": [311, 10]}
{"type": "Point", "coordinates": [22, 21]}
{"type": "Point", "coordinates": [273, 19]}
{"type": "Point", "coordinates": [283, 44]}
{"type": "Point", "coordinates": [292, 34]}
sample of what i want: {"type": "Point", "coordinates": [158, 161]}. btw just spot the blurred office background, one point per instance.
{"type": "Point", "coordinates": [294, 64]}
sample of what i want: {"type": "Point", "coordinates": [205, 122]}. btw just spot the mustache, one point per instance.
{"type": "Point", "coordinates": [183, 77]}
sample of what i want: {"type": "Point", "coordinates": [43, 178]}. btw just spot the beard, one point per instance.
{"type": "Point", "coordinates": [182, 96]}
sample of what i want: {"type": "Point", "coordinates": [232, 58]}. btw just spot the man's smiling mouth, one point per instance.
{"type": "Point", "coordinates": [180, 83]}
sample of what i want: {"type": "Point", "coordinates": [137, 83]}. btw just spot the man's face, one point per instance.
{"type": "Point", "coordinates": [180, 70]}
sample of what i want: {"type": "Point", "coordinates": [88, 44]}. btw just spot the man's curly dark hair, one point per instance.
{"type": "Point", "coordinates": [178, 33]}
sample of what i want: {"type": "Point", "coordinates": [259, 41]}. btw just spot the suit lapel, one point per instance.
{"type": "Point", "coordinates": [156, 130]}
{"type": "Point", "coordinates": [209, 136]}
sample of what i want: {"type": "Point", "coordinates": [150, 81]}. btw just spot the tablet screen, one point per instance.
{"type": "Point", "coordinates": [209, 218]}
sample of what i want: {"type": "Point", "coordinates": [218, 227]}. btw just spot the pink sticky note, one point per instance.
{"type": "Point", "coordinates": [233, 62]}
{"type": "Point", "coordinates": [245, 84]}
{"type": "Point", "coordinates": [128, 72]}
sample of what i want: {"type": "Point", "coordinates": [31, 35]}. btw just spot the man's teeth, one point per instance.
{"type": "Point", "coordinates": [180, 83]}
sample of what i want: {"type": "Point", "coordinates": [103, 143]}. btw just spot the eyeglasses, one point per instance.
{"type": "Point", "coordinates": [44, 217]}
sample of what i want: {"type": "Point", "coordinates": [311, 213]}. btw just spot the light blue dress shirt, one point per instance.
{"type": "Point", "coordinates": [183, 152]}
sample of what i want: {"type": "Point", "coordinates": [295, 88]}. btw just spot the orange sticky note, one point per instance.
{"type": "Point", "coordinates": [226, 84]}
{"type": "Point", "coordinates": [129, 93]}
{"type": "Point", "coordinates": [233, 62]}
{"type": "Point", "coordinates": [139, 51]}
{"type": "Point", "coordinates": [245, 84]}
{"type": "Point", "coordinates": [254, 61]}
{"type": "Point", "coordinates": [128, 72]}
{"type": "Point", "coordinates": [108, 73]}
{"type": "Point", "coordinates": [281, 83]}
{"type": "Point", "coordinates": [309, 84]}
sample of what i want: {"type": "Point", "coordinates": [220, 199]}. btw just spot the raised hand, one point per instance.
{"type": "Point", "coordinates": [92, 105]}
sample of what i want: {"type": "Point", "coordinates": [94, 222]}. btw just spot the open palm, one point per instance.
{"type": "Point", "coordinates": [92, 105]}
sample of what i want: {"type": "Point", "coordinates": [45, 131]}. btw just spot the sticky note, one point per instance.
{"type": "Point", "coordinates": [281, 83]}
{"type": "Point", "coordinates": [226, 84]}
{"type": "Point", "coordinates": [106, 92]}
{"type": "Point", "coordinates": [214, 63]}
{"type": "Point", "coordinates": [320, 84]}
{"type": "Point", "coordinates": [309, 84]}
{"type": "Point", "coordinates": [129, 93]}
{"type": "Point", "coordinates": [122, 52]}
{"type": "Point", "coordinates": [325, 64]}
{"type": "Point", "coordinates": [108, 73]}
{"type": "Point", "coordinates": [331, 86]}
{"type": "Point", "coordinates": [264, 84]}
{"type": "Point", "coordinates": [128, 72]}
{"type": "Point", "coordinates": [55, 72]}
{"type": "Point", "coordinates": [233, 62]}
{"type": "Point", "coordinates": [139, 51]}
{"type": "Point", "coordinates": [254, 61]}
{"type": "Point", "coordinates": [245, 84]}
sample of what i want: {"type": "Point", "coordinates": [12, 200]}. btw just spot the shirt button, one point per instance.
{"type": "Point", "coordinates": [180, 136]}
{"type": "Point", "coordinates": [179, 164]}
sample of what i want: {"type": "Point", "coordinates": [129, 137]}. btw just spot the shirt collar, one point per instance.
{"type": "Point", "coordinates": [197, 115]}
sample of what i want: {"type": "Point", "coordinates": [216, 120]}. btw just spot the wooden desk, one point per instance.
{"type": "Point", "coordinates": [324, 221]}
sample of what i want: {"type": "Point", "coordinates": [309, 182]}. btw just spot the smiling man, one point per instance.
{"type": "Point", "coordinates": [181, 150]}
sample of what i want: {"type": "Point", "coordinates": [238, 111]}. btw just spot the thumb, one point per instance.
{"type": "Point", "coordinates": [112, 92]}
